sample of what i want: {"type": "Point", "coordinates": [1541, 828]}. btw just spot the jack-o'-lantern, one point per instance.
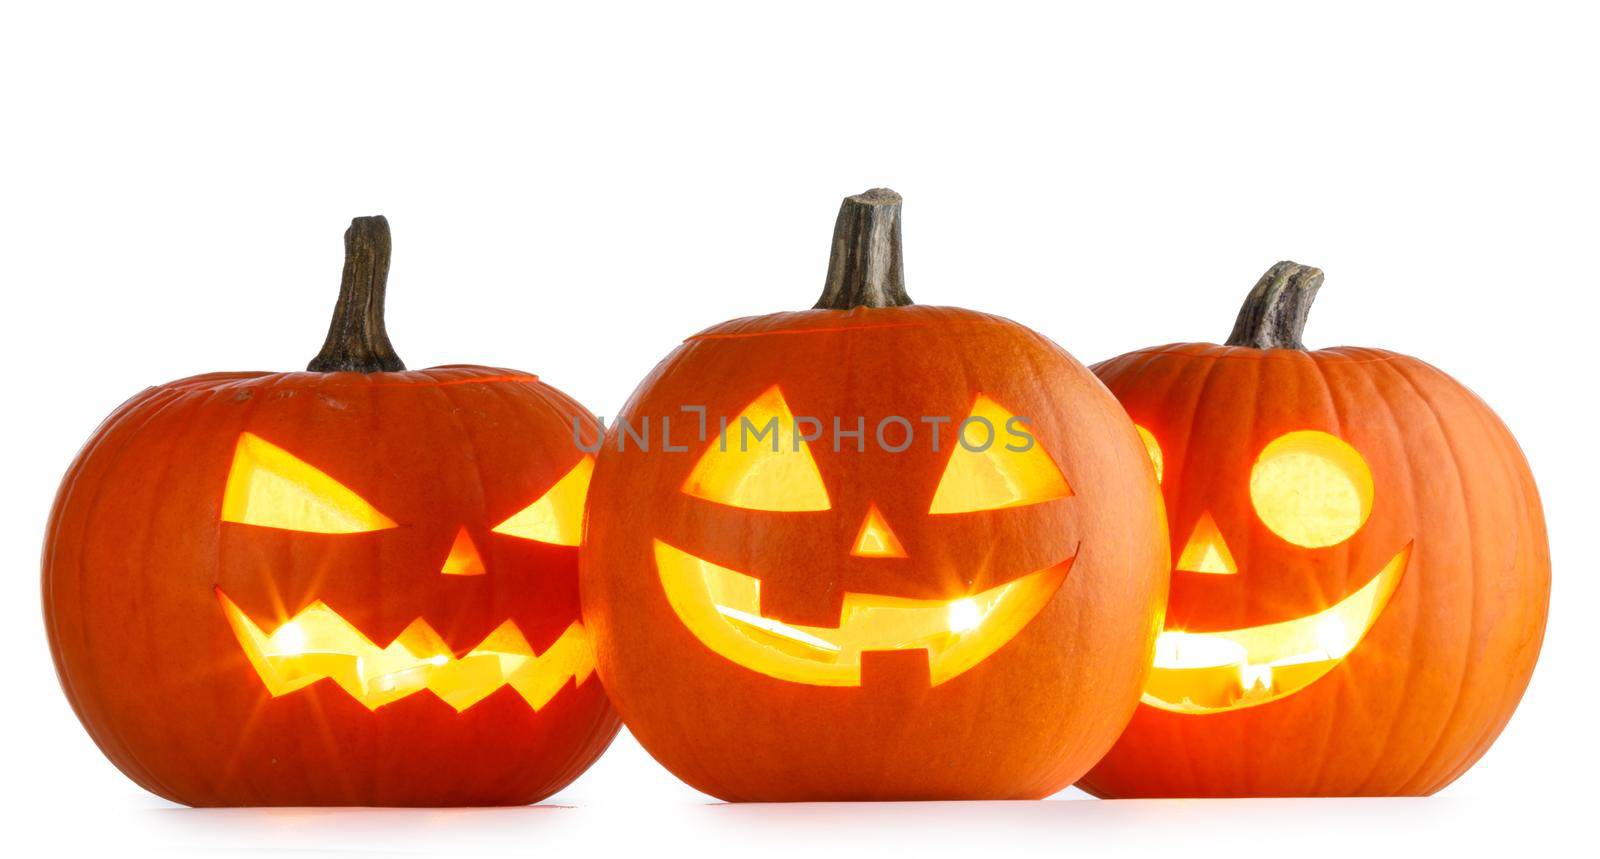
{"type": "Point", "coordinates": [355, 585]}
{"type": "Point", "coordinates": [1360, 571]}
{"type": "Point", "coordinates": [891, 551]}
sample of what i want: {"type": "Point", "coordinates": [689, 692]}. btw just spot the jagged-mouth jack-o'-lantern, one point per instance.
{"type": "Point", "coordinates": [355, 585]}
{"type": "Point", "coordinates": [936, 573]}
{"type": "Point", "coordinates": [1360, 570]}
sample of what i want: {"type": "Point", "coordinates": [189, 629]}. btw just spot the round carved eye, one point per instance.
{"type": "Point", "coordinates": [1311, 488]}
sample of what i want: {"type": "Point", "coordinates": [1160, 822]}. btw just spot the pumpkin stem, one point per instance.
{"type": "Point", "coordinates": [357, 341]}
{"type": "Point", "coordinates": [1274, 313]}
{"type": "Point", "coordinates": [865, 268]}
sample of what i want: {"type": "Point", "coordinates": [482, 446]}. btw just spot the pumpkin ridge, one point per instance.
{"type": "Point", "coordinates": [1414, 643]}
{"type": "Point", "coordinates": [1470, 657]}
{"type": "Point", "coordinates": [1171, 382]}
{"type": "Point", "coordinates": [1189, 428]}
{"type": "Point", "coordinates": [173, 441]}
{"type": "Point", "coordinates": [1472, 660]}
{"type": "Point", "coordinates": [103, 737]}
{"type": "Point", "coordinates": [1530, 536]}
{"type": "Point", "coordinates": [1334, 407]}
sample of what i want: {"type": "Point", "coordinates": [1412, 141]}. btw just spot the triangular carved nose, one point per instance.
{"type": "Point", "coordinates": [1206, 551]}
{"type": "Point", "coordinates": [464, 559]}
{"type": "Point", "coordinates": [876, 539]}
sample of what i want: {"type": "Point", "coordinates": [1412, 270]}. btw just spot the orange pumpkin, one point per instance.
{"type": "Point", "coordinates": [1360, 570]}
{"type": "Point", "coordinates": [936, 574]}
{"type": "Point", "coordinates": [351, 586]}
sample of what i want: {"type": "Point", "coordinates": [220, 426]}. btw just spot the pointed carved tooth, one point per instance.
{"type": "Point", "coordinates": [317, 643]}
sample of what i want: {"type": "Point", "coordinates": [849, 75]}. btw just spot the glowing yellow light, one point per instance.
{"type": "Point", "coordinates": [557, 517]}
{"type": "Point", "coordinates": [1333, 636]}
{"type": "Point", "coordinates": [1176, 648]}
{"type": "Point", "coordinates": [1206, 551]}
{"type": "Point", "coordinates": [1212, 672]}
{"type": "Point", "coordinates": [876, 539]}
{"type": "Point", "coordinates": [965, 616]}
{"type": "Point", "coordinates": [773, 473]}
{"type": "Point", "coordinates": [318, 644]}
{"type": "Point", "coordinates": [722, 607]}
{"type": "Point", "coordinates": [1311, 488]}
{"type": "Point", "coordinates": [289, 639]}
{"type": "Point", "coordinates": [1255, 677]}
{"type": "Point", "coordinates": [272, 488]}
{"type": "Point", "coordinates": [996, 476]}
{"type": "Point", "coordinates": [463, 559]}
{"type": "Point", "coordinates": [778, 628]}
{"type": "Point", "coordinates": [1152, 448]}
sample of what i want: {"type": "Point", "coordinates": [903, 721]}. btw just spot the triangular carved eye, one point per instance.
{"type": "Point", "coordinates": [272, 488]}
{"type": "Point", "coordinates": [557, 517]}
{"type": "Point", "coordinates": [760, 463]}
{"type": "Point", "coordinates": [985, 472]}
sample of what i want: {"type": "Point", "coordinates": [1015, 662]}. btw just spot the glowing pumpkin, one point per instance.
{"type": "Point", "coordinates": [926, 560]}
{"type": "Point", "coordinates": [1360, 574]}
{"type": "Point", "coordinates": [350, 586]}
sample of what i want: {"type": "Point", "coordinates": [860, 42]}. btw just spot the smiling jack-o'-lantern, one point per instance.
{"type": "Point", "coordinates": [1360, 571]}
{"type": "Point", "coordinates": [350, 586]}
{"type": "Point", "coordinates": [891, 551]}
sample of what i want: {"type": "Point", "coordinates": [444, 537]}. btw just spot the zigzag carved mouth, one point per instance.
{"type": "Point", "coordinates": [318, 644]}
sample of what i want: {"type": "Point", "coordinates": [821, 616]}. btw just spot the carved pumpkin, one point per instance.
{"type": "Point", "coordinates": [1360, 574]}
{"type": "Point", "coordinates": [897, 614]}
{"type": "Point", "coordinates": [351, 586]}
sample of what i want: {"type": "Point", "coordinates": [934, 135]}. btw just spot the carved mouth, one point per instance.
{"type": "Point", "coordinates": [317, 643]}
{"type": "Point", "coordinates": [1215, 672]}
{"type": "Point", "coordinates": [722, 607]}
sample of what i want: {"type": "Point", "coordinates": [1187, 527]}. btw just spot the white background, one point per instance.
{"type": "Point", "coordinates": [575, 189]}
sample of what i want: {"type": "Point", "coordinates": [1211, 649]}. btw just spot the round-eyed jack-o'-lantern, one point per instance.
{"type": "Point", "coordinates": [1360, 570]}
{"type": "Point", "coordinates": [892, 551]}
{"type": "Point", "coordinates": [351, 586]}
